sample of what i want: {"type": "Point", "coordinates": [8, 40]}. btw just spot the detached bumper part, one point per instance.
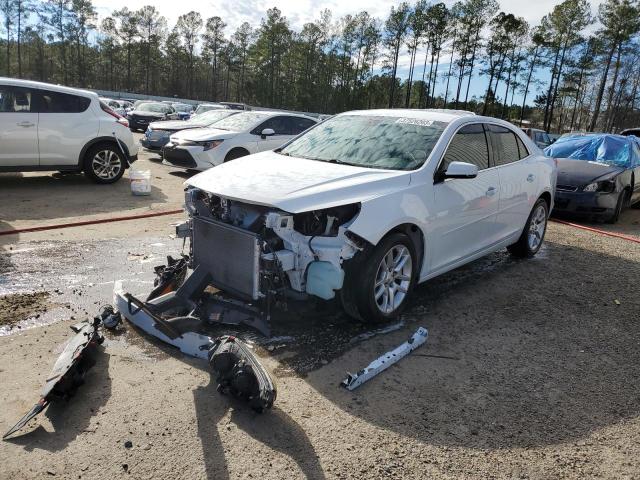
{"type": "Point", "coordinates": [69, 370]}
{"type": "Point", "coordinates": [380, 364]}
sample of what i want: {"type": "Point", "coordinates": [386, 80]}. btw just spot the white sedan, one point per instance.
{"type": "Point", "coordinates": [367, 204]}
{"type": "Point", "coordinates": [233, 137]}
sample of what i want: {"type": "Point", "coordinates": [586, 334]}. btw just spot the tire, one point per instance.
{"type": "Point", "coordinates": [104, 163]}
{"type": "Point", "coordinates": [368, 287]}
{"type": "Point", "coordinates": [533, 233]}
{"type": "Point", "coordinates": [235, 153]}
{"type": "Point", "coordinates": [622, 197]}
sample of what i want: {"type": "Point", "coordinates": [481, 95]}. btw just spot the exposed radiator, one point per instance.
{"type": "Point", "coordinates": [230, 254]}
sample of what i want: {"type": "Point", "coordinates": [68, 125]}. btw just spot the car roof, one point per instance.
{"type": "Point", "coordinates": [47, 86]}
{"type": "Point", "coordinates": [436, 114]}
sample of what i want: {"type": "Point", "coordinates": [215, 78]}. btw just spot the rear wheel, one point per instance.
{"type": "Point", "coordinates": [533, 234]}
{"type": "Point", "coordinates": [380, 282]}
{"type": "Point", "coordinates": [104, 163]}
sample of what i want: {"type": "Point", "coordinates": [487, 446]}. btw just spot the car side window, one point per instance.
{"type": "Point", "coordinates": [523, 152]}
{"type": "Point", "coordinates": [56, 102]}
{"type": "Point", "coordinates": [298, 125]}
{"type": "Point", "coordinates": [280, 126]}
{"type": "Point", "coordinates": [505, 146]}
{"type": "Point", "coordinates": [15, 99]}
{"type": "Point", "coordinates": [469, 145]}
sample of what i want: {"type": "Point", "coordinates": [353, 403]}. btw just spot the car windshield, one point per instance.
{"type": "Point", "coordinates": [181, 107]}
{"type": "Point", "coordinates": [240, 121]}
{"type": "Point", "coordinates": [212, 116]}
{"type": "Point", "coordinates": [387, 142]}
{"type": "Point", "coordinates": [207, 108]}
{"type": "Point", "coordinates": [153, 107]}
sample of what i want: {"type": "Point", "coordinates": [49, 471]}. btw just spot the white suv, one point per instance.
{"type": "Point", "coordinates": [45, 127]}
{"type": "Point", "coordinates": [233, 137]}
{"type": "Point", "coordinates": [368, 204]}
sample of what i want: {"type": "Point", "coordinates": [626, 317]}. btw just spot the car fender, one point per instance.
{"type": "Point", "coordinates": [380, 215]}
{"type": "Point", "coordinates": [102, 139]}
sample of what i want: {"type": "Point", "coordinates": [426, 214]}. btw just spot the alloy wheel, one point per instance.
{"type": "Point", "coordinates": [537, 227]}
{"type": "Point", "coordinates": [106, 164]}
{"type": "Point", "coordinates": [393, 279]}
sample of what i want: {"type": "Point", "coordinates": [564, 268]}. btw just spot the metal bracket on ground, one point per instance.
{"type": "Point", "coordinates": [380, 364]}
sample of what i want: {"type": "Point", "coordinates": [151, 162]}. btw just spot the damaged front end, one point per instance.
{"type": "Point", "coordinates": [256, 257]}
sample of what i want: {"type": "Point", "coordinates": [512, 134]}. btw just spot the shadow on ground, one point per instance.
{"type": "Point", "coordinates": [542, 353]}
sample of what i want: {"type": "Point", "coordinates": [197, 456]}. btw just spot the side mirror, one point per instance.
{"type": "Point", "coordinates": [267, 132]}
{"type": "Point", "coordinates": [461, 170]}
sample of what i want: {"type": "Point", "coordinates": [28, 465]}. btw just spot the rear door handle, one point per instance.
{"type": "Point", "coordinates": [531, 177]}
{"type": "Point", "coordinates": [25, 124]}
{"type": "Point", "coordinates": [491, 191]}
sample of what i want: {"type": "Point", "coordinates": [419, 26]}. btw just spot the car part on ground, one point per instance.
{"type": "Point", "coordinates": [240, 373]}
{"type": "Point", "coordinates": [69, 370]}
{"type": "Point", "coordinates": [598, 175]}
{"type": "Point", "coordinates": [354, 380]}
{"type": "Point", "coordinates": [238, 370]}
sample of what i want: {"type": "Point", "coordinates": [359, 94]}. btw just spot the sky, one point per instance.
{"type": "Point", "coordinates": [299, 12]}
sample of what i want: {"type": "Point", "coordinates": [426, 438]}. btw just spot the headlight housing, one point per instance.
{"type": "Point", "coordinates": [325, 222]}
{"type": "Point", "coordinates": [210, 145]}
{"type": "Point", "coordinates": [605, 186]}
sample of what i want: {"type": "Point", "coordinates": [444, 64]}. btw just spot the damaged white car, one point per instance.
{"type": "Point", "coordinates": [365, 206]}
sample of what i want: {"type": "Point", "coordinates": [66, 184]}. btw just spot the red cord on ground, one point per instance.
{"type": "Point", "coordinates": [88, 222]}
{"type": "Point", "coordinates": [628, 238]}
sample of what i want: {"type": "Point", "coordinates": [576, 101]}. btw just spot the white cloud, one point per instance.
{"type": "Point", "coordinates": [299, 12]}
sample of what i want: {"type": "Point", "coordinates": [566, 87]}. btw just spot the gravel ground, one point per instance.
{"type": "Point", "coordinates": [530, 371]}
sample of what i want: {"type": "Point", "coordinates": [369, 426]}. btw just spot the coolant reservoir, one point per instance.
{"type": "Point", "coordinates": [323, 278]}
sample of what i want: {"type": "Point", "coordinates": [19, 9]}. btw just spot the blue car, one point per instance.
{"type": "Point", "coordinates": [598, 175]}
{"type": "Point", "coordinates": [184, 110]}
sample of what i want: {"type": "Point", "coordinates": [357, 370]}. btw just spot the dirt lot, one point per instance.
{"type": "Point", "coordinates": [530, 369]}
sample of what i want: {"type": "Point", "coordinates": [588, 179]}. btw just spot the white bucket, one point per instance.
{"type": "Point", "coordinates": [140, 182]}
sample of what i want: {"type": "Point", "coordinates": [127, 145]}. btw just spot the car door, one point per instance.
{"type": "Point", "coordinates": [282, 128]}
{"type": "Point", "coordinates": [463, 221]}
{"type": "Point", "coordinates": [66, 124]}
{"type": "Point", "coordinates": [518, 179]}
{"type": "Point", "coordinates": [18, 128]}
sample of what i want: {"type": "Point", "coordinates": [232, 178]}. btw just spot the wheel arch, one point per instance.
{"type": "Point", "coordinates": [236, 149]}
{"type": "Point", "coordinates": [416, 235]}
{"type": "Point", "coordinates": [106, 141]}
{"type": "Point", "coordinates": [546, 196]}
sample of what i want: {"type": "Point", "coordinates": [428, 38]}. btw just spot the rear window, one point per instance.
{"type": "Point", "coordinates": [56, 102]}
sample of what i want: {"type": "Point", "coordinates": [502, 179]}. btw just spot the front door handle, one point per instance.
{"type": "Point", "coordinates": [25, 124]}
{"type": "Point", "coordinates": [491, 191]}
{"type": "Point", "coordinates": [531, 177]}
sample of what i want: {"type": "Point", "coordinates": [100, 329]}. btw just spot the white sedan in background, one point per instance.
{"type": "Point", "coordinates": [233, 137]}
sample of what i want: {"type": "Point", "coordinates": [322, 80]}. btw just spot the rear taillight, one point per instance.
{"type": "Point", "coordinates": [119, 118]}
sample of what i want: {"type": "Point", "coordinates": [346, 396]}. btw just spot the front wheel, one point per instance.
{"type": "Point", "coordinates": [533, 234]}
{"type": "Point", "coordinates": [104, 164]}
{"type": "Point", "coordinates": [619, 206]}
{"type": "Point", "coordinates": [380, 283]}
